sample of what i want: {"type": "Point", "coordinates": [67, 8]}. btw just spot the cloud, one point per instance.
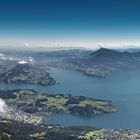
{"type": "Point", "coordinates": [22, 62]}
{"type": "Point", "coordinates": [26, 44]}
{"type": "Point", "coordinates": [101, 44]}
{"type": "Point", "coordinates": [3, 106]}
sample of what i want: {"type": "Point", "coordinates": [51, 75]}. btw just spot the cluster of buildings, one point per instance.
{"type": "Point", "coordinates": [18, 115]}
{"type": "Point", "coordinates": [121, 134]}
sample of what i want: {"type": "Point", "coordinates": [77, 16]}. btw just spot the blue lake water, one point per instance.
{"type": "Point", "coordinates": [123, 88]}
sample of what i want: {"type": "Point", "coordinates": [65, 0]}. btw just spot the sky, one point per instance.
{"type": "Point", "coordinates": [70, 23]}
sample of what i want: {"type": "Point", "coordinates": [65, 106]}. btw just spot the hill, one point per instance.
{"type": "Point", "coordinates": [26, 74]}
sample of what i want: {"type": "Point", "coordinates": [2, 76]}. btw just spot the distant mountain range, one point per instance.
{"type": "Point", "coordinates": [93, 63]}
{"type": "Point", "coordinates": [97, 63]}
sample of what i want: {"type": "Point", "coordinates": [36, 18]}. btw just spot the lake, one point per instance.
{"type": "Point", "coordinates": [123, 88]}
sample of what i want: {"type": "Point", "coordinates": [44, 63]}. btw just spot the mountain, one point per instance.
{"type": "Point", "coordinates": [104, 52]}
{"type": "Point", "coordinates": [112, 59]}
